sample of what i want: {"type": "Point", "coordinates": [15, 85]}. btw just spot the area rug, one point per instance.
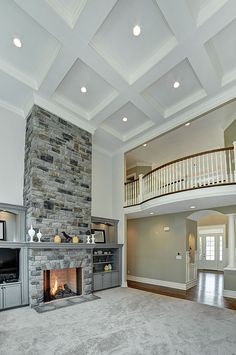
{"type": "Point", "coordinates": [124, 322]}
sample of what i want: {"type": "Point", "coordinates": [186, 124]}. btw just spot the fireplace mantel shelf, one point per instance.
{"type": "Point", "coordinates": [45, 245]}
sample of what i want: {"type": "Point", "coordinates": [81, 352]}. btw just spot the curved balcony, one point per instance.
{"type": "Point", "coordinates": [202, 170]}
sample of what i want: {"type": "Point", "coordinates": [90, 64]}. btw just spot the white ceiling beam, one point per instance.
{"type": "Point", "coordinates": [179, 19]}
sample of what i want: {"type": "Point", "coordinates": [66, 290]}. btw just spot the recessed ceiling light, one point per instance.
{"type": "Point", "coordinates": [151, 212]}
{"type": "Point", "coordinates": [83, 89]}
{"type": "Point", "coordinates": [124, 119]}
{"type": "Point", "coordinates": [187, 124]}
{"type": "Point", "coordinates": [136, 30]}
{"type": "Point", "coordinates": [176, 84]}
{"type": "Point", "coordinates": [192, 207]}
{"type": "Point", "coordinates": [17, 42]}
{"type": "Point", "coordinates": [145, 144]}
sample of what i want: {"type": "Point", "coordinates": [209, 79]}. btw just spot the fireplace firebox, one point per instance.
{"type": "Point", "coordinates": [62, 283]}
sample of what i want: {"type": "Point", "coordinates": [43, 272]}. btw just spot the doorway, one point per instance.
{"type": "Point", "coordinates": [211, 241]}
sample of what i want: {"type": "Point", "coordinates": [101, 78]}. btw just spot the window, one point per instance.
{"type": "Point", "coordinates": [210, 248]}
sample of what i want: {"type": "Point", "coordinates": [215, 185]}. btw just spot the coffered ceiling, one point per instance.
{"type": "Point", "coordinates": [67, 45]}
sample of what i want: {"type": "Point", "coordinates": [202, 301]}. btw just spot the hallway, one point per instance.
{"type": "Point", "coordinates": [209, 290]}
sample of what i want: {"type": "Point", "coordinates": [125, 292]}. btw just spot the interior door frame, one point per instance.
{"type": "Point", "coordinates": [212, 227]}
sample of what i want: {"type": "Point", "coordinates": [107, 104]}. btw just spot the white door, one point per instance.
{"type": "Point", "coordinates": [211, 249]}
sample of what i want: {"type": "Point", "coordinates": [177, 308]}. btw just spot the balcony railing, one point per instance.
{"type": "Point", "coordinates": [205, 169]}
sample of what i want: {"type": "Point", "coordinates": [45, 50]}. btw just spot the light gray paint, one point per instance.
{"type": "Point", "coordinates": [229, 280]}
{"type": "Point", "coordinates": [152, 251]}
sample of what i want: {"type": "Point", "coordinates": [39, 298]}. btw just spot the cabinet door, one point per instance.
{"type": "Point", "coordinates": [97, 282]}
{"type": "Point", "coordinates": [107, 280]}
{"type": "Point", "coordinates": [12, 295]}
{"type": "Point", "coordinates": [1, 297]}
{"type": "Point", "coordinates": [115, 278]}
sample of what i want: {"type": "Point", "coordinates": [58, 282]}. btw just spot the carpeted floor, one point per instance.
{"type": "Point", "coordinates": [124, 321]}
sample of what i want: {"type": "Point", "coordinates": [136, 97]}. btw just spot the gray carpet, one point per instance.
{"type": "Point", "coordinates": [123, 321]}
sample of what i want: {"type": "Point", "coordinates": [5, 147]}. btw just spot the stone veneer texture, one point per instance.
{"type": "Point", "coordinates": [57, 182]}
{"type": "Point", "coordinates": [53, 259]}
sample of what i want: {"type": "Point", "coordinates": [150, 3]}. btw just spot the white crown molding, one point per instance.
{"type": "Point", "coordinates": [70, 17]}
{"type": "Point", "coordinates": [59, 111]}
{"type": "Point", "coordinates": [12, 108]}
{"type": "Point", "coordinates": [101, 150]}
{"type": "Point", "coordinates": [112, 131]}
{"type": "Point", "coordinates": [104, 103]}
{"type": "Point", "coordinates": [229, 293]}
{"type": "Point", "coordinates": [185, 103]}
{"type": "Point", "coordinates": [181, 119]}
{"type": "Point", "coordinates": [228, 77]}
{"type": "Point", "coordinates": [49, 62]}
{"type": "Point", "coordinates": [18, 75]}
{"type": "Point", "coordinates": [163, 283]}
{"type": "Point", "coordinates": [143, 127]}
{"type": "Point", "coordinates": [154, 60]}
{"type": "Point", "coordinates": [61, 100]}
{"type": "Point", "coordinates": [208, 10]}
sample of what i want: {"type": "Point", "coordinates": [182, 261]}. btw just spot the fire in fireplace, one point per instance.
{"type": "Point", "coordinates": [62, 283]}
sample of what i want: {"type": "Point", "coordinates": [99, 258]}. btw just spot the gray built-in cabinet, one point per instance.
{"type": "Point", "coordinates": [16, 293]}
{"type": "Point", "coordinates": [106, 266]}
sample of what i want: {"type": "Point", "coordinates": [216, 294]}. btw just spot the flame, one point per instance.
{"type": "Point", "coordinates": [54, 288]}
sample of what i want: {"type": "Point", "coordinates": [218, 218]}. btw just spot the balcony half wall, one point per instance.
{"type": "Point", "coordinates": [203, 180]}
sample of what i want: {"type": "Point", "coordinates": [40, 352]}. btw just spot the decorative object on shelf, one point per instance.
{"type": "Point", "coordinates": [39, 236]}
{"type": "Point", "coordinates": [31, 233]}
{"type": "Point", "coordinates": [99, 252]}
{"type": "Point", "coordinates": [106, 268]}
{"type": "Point", "coordinates": [67, 236]}
{"type": "Point", "coordinates": [95, 253]}
{"type": "Point", "coordinates": [57, 239]}
{"type": "Point", "coordinates": [75, 240]}
{"type": "Point", "coordinates": [99, 235]}
{"type": "Point", "coordinates": [109, 267]}
{"type": "Point", "coordinates": [93, 239]}
{"type": "Point", "coordinates": [2, 230]}
{"type": "Point", "coordinates": [88, 239]}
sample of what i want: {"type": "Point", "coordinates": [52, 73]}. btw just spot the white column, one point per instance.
{"type": "Point", "coordinates": [234, 144]}
{"type": "Point", "coordinates": [231, 240]}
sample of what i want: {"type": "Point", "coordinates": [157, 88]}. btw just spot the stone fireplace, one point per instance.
{"type": "Point", "coordinates": [62, 283]}
{"type": "Point", "coordinates": [71, 265]}
{"type": "Point", "coordinates": [57, 194]}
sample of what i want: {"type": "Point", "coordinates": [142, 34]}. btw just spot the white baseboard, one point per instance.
{"type": "Point", "coordinates": [191, 284]}
{"type": "Point", "coordinates": [177, 285]}
{"type": "Point", "coordinates": [229, 293]}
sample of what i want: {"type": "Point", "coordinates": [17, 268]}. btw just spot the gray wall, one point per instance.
{"type": "Point", "coordinates": [151, 251]}
{"type": "Point", "coordinates": [191, 238]}
{"type": "Point", "coordinates": [57, 185]}
{"type": "Point", "coordinates": [229, 280]}
{"type": "Point", "coordinates": [230, 134]}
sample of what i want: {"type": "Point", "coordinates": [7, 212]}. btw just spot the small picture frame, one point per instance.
{"type": "Point", "coordinates": [99, 235]}
{"type": "Point", "coordinates": [2, 230]}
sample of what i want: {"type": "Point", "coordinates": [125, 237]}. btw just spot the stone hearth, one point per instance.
{"type": "Point", "coordinates": [41, 259]}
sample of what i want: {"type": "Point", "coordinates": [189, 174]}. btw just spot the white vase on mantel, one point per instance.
{"type": "Point", "coordinates": [39, 236]}
{"type": "Point", "coordinates": [31, 233]}
{"type": "Point", "coordinates": [93, 238]}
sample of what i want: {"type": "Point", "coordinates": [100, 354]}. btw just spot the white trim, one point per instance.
{"type": "Point", "coordinates": [228, 268]}
{"type": "Point", "coordinates": [191, 284]}
{"type": "Point", "coordinates": [229, 293]}
{"type": "Point", "coordinates": [177, 285]}
{"type": "Point", "coordinates": [63, 113]}
{"type": "Point", "coordinates": [101, 150]}
{"type": "Point", "coordinates": [12, 108]}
